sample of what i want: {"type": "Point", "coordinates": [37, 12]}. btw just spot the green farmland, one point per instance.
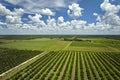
{"type": "Point", "coordinates": [59, 57]}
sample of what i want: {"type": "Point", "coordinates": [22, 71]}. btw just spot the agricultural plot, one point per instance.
{"type": "Point", "coordinates": [99, 45]}
{"type": "Point", "coordinates": [55, 43]}
{"type": "Point", "coordinates": [86, 44]}
{"type": "Point", "coordinates": [72, 65]}
{"type": "Point", "coordinates": [10, 58]}
{"type": "Point", "coordinates": [59, 58]}
{"type": "Point", "coordinates": [35, 44]}
{"type": "Point", "coordinates": [94, 49]}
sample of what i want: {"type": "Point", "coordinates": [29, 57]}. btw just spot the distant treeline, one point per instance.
{"type": "Point", "coordinates": [75, 39]}
{"type": "Point", "coordinates": [27, 37]}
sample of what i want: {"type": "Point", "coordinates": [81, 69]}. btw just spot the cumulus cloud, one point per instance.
{"type": "Point", "coordinates": [47, 11]}
{"type": "Point", "coordinates": [15, 16]}
{"type": "Point", "coordinates": [18, 12]}
{"type": "Point", "coordinates": [60, 19]}
{"type": "Point", "coordinates": [78, 24]}
{"type": "Point", "coordinates": [110, 19]}
{"type": "Point", "coordinates": [109, 8]}
{"type": "Point", "coordinates": [4, 10]}
{"type": "Point", "coordinates": [26, 26]}
{"type": "Point", "coordinates": [13, 19]}
{"type": "Point", "coordinates": [110, 16]}
{"type": "Point", "coordinates": [75, 10]}
{"type": "Point", "coordinates": [71, 25]}
{"type": "Point", "coordinates": [36, 20]}
{"type": "Point", "coordinates": [29, 27]}
{"type": "Point", "coordinates": [51, 22]}
{"type": "Point", "coordinates": [62, 25]}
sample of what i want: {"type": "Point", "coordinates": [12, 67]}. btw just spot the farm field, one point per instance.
{"type": "Point", "coordinates": [35, 44]}
{"type": "Point", "coordinates": [52, 43]}
{"type": "Point", "coordinates": [72, 65]}
{"type": "Point", "coordinates": [60, 57]}
{"type": "Point", "coordinates": [9, 58]}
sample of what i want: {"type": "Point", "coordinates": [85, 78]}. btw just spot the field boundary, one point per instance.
{"type": "Point", "coordinates": [21, 66]}
{"type": "Point", "coordinates": [67, 45]}
{"type": "Point", "coordinates": [113, 49]}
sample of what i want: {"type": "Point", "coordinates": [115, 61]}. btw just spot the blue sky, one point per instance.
{"type": "Point", "coordinates": [60, 17]}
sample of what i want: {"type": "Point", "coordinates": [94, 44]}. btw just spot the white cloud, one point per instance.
{"type": "Point", "coordinates": [43, 4]}
{"type": "Point", "coordinates": [60, 19]}
{"type": "Point", "coordinates": [75, 10]}
{"type": "Point", "coordinates": [18, 12]}
{"type": "Point", "coordinates": [13, 18]}
{"type": "Point", "coordinates": [47, 3]}
{"type": "Point", "coordinates": [13, 1]}
{"type": "Point", "coordinates": [62, 25]}
{"type": "Point", "coordinates": [2, 23]}
{"type": "Point", "coordinates": [78, 24]}
{"type": "Point", "coordinates": [33, 6]}
{"type": "Point", "coordinates": [30, 27]}
{"type": "Point", "coordinates": [4, 10]}
{"type": "Point", "coordinates": [10, 19]}
{"type": "Point", "coordinates": [26, 26]}
{"type": "Point", "coordinates": [51, 22]}
{"type": "Point", "coordinates": [47, 11]}
{"type": "Point", "coordinates": [109, 8]}
{"type": "Point", "coordinates": [13, 26]}
{"type": "Point", "coordinates": [71, 25]}
{"type": "Point", "coordinates": [98, 17]}
{"type": "Point", "coordinates": [110, 20]}
{"type": "Point", "coordinates": [90, 26]}
{"type": "Point", "coordinates": [35, 18]}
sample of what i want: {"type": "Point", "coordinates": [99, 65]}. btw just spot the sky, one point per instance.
{"type": "Point", "coordinates": [81, 17]}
